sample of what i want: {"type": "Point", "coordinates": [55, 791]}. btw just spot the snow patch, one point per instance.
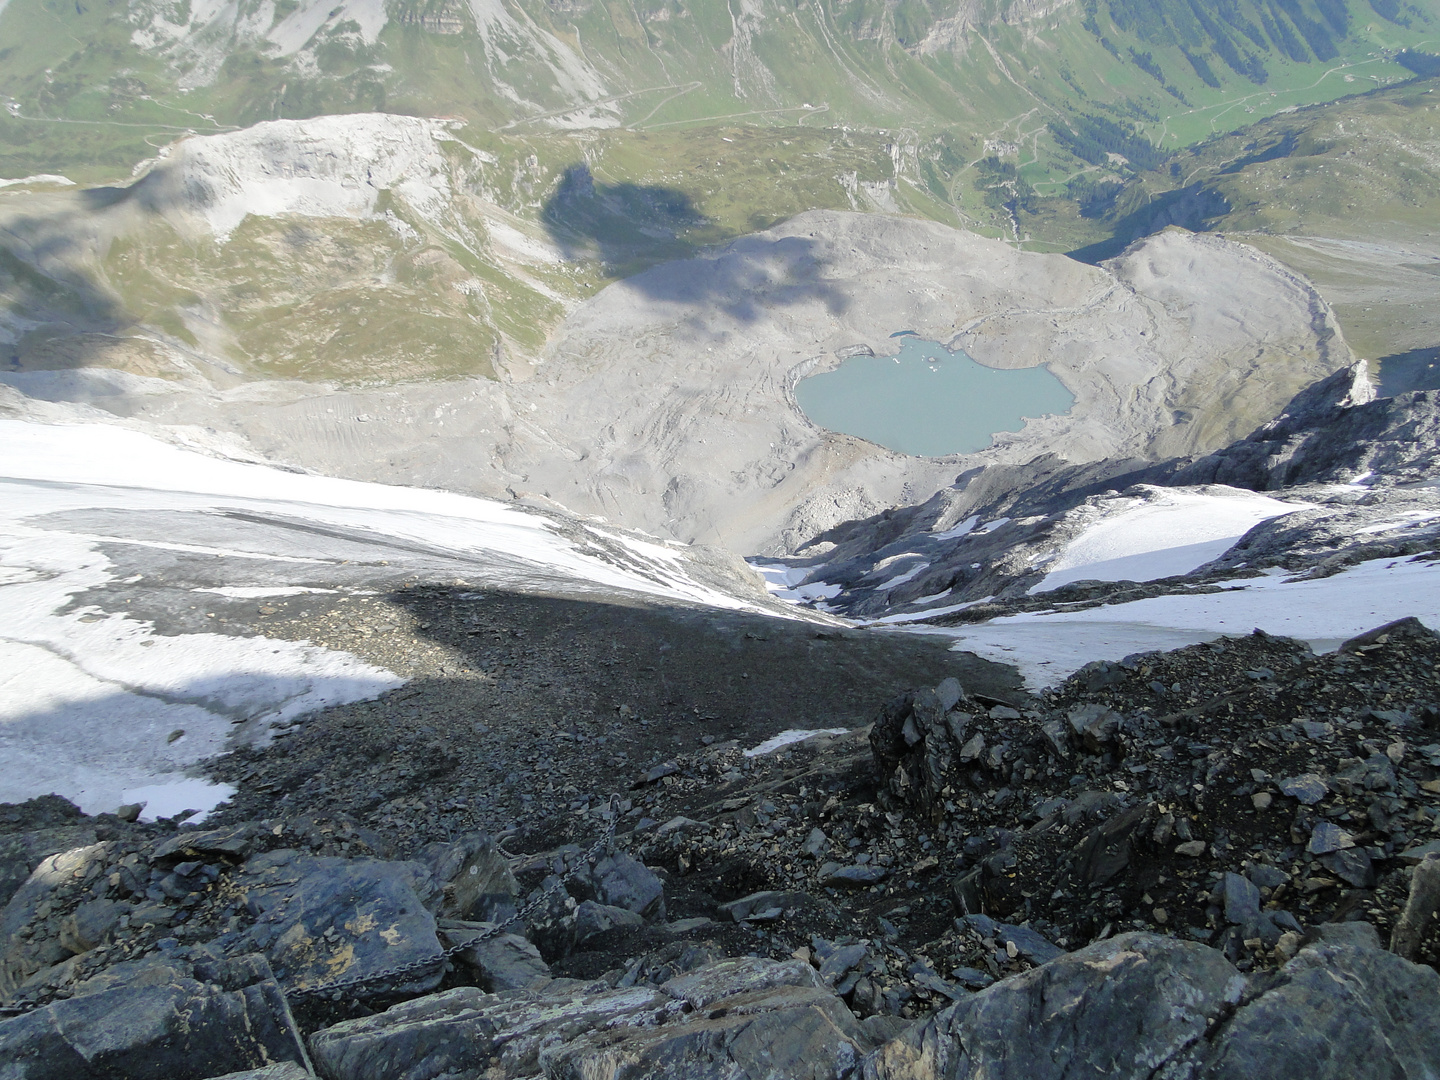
{"type": "Point", "coordinates": [94, 704]}
{"type": "Point", "coordinates": [1171, 532]}
{"type": "Point", "coordinates": [789, 738]}
{"type": "Point", "coordinates": [962, 529]}
{"type": "Point", "coordinates": [167, 800]}
{"type": "Point", "coordinates": [1049, 646]}
{"type": "Point", "coordinates": [255, 592]}
{"type": "Point", "coordinates": [43, 178]}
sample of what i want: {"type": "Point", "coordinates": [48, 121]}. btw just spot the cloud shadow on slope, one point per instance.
{"type": "Point", "coordinates": [630, 228]}
{"type": "Point", "coordinates": [1400, 373]}
{"type": "Point", "coordinates": [67, 314]}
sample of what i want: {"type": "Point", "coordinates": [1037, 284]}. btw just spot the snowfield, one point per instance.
{"type": "Point", "coordinates": [1324, 612]}
{"type": "Point", "coordinates": [107, 706]}
{"type": "Point", "coordinates": [1171, 533]}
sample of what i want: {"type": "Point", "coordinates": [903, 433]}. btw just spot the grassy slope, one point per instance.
{"type": "Point", "coordinates": [709, 119]}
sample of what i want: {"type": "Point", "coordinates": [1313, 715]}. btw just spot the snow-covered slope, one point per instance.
{"type": "Point", "coordinates": [1050, 566]}
{"type": "Point", "coordinates": [116, 547]}
{"type": "Point", "coordinates": [1171, 533]}
{"type": "Point", "coordinates": [1048, 646]}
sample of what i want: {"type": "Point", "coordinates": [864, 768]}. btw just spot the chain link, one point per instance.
{"type": "Point", "coordinates": [337, 987]}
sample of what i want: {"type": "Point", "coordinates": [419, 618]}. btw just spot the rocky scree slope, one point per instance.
{"type": "Point", "coordinates": [1091, 879]}
{"type": "Point", "coordinates": [1349, 476]}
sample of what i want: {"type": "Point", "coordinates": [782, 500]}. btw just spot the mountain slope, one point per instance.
{"type": "Point", "coordinates": [90, 82]}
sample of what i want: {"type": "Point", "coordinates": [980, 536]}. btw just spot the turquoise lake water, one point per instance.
{"type": "Point", "coordinates": [929, 401]}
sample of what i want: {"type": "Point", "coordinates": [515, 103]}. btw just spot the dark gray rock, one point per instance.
{"type": "Point", "coordinates": [1109, 847]}
{"type": "Point", "coordinates": [917, 743]}
{"type": "Point", "coordinates": [1119, 1008]}
{"type": "Point", "coordinates": [1143, 1006]}
{"type": "Point", "coordinates": [747, 906]}
{"type": "Point", "coordinates": [474, 879]}
{"type": "Point", "coordinates": [1327, 837]}
{"type": "Point", "coordinates": [1029, 943]}
{"type": "Point", "coordinates": [595, 922]}
{"type": "Point", "coordinates": [233, 843]}
{"type": "Point", "coordinates": [91, 924]}
{"type": "Point", "coordinates": [1361, 935]}
{"type": "Point", "coordinates": [620, 880]}
{"type": "Point", "coordinates": [867, 874]}
{"type": "Point", "coordinates": [44, 827]}
{"type": "Point", "coordinates": [840, 961]}
{"type": "Point", "coordinates": [1307, 787]}
{"type": "Point", "coordinates": [735, 1018]}
{"type": "Point", "coordinates": [1351, 865]}
{"type": "Point", "coordinates": [1241, 899]}
{"type": "Point", "coordinates": [20, 957]}
{"type": "Point", "coordinates": [1335, 1012]}
{"type": "Point", "coordinates": [168, 1019]}
{"type": "Point", "coordinates": [500, 961]}
{"type": "Point", "coordinates": [1267, 877]}
{"type": "Point", "coordinates": [1096, 726]}
{"type": "Point", "coordinates": [320, 919]}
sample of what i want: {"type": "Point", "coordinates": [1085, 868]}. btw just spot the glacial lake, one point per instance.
{"type": "Point", "coordinates": [928, 401]}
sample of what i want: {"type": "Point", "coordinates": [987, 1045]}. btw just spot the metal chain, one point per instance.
{"type": "Point", "coordinates": [337, 987]}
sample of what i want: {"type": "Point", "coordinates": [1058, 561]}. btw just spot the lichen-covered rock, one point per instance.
{"type": "Point", "coordinates": [321, 919]}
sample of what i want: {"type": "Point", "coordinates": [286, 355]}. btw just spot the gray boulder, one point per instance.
{"type": "Point", "coordinates": [499, 961]}
{"type": "Point", "coordinates": [321, 919]}
{"type": "Point", "coordinates": [596, 922]}
{"type": "Point", "coordinates": [43, 827]}
{"type": "Point", "coordinates": [1145, 1006]}
{"type": "Point", "coordinates": [164, 1019]}
{"type": "Point", "coordinates": [474, 879]}
{"type": "Point", "coordinates": [1120, 1008]}
{"type": "Point", "coordinates": [1335, 1012]}
{"type": "Point", "coordinates": [22, 956]}
{"type": "Point", "coordinates": [620, 880]}
{"type": "Point", "coordinates": [732, 1019]}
